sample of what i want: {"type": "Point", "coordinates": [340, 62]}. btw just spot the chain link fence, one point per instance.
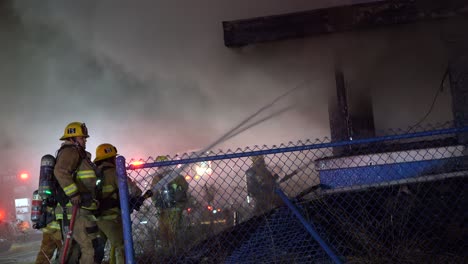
{"type": "Point", "coordinates": [398, 198]}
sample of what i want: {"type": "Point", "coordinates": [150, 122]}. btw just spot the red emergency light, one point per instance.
{"type": "Point", "coordinates": [136, 163]}
{"type": "Point", "coordinates": [24, 176]}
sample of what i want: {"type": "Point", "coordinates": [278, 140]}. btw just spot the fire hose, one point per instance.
{"type": "Point", "coordinates": [69, 235]}
{"type": "Point", "coordinates": [239, 128]}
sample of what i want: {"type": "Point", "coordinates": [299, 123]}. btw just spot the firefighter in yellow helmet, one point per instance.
{"type": "Point", "coordinates": [261, 185]}
{"type": "Point", "coordinates": [109, 218]}
{"type": "Point", "coordinates": [170, 200]}
{"type": "Point", "coordinates": [51, 238]}
{"type": "Point", "coordinates": [76, 175]}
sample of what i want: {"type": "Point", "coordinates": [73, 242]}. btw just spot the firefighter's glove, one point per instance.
{"type": "Point", "coordinates": [136, 203]}
{"type": "Point", "coordinates": [75, 200]}
{"type": "Point", "coordinates": [86, 199]}
{"type": "Point", "coordinates": [38, 226]}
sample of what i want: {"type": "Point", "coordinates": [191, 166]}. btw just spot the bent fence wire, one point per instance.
{"type": "Point", "coordinates": [389, 199]}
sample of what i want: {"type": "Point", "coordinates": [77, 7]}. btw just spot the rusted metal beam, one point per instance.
{"type": "Point", "coordinates": [336, 19]}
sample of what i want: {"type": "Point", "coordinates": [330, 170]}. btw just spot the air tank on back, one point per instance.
{"type": "Point", "coordinates": [46, 176]}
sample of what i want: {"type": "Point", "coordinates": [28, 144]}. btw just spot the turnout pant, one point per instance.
{"type": "Point", "coordinates": [51, 241]}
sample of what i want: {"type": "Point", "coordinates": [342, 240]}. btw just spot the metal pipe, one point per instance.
{"type": "Point", "coordinates": [308, 227]}
{"type": "Point", "coordinates": [124, 207]}
{"type": "Point", "coordinates": [304, 147]}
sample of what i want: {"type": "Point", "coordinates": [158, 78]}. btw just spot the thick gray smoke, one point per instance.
{"type": "Point", "coordinates": [154, 77]}
{"type": "Point", "coordinates": [151, 78]}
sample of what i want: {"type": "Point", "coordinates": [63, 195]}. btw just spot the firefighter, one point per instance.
{"type": "Point", "coordinates": [76, 175]}
{"type": "Point", "coordinates": [261, 185]}
{"type": "Point", "coordinates": [170, 200]}
{"type": "Point", "coordinates": [109, 218]}
{"type": "Point", "coordinates": [51, 238]}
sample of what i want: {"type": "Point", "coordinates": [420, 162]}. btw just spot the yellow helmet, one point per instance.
{"type": "Point", "coordinates": [75, 129]}
{"type": "Point", "coordinates": [105, 151]}
{"type": "Point", "coordinates": [161, 158]}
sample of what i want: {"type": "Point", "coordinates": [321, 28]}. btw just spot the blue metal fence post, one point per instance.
{"type": "Point", "coordinates": [309, 227]}
{"type": "Point", "coordinates": [124, 206]}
